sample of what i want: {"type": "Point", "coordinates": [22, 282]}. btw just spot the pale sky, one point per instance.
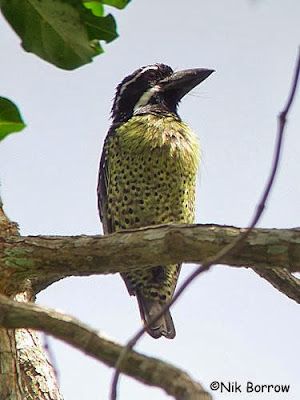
{"type": "Point", "coordinates": [231, 325]}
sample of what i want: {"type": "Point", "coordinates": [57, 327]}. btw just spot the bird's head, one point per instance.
{"type": "Point", "coordinates": [154, 88]}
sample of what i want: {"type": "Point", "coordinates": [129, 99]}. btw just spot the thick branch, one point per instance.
{"type": "Point", "coordinates": [148, 370]}
{"type": "Point", "coordinates": [54, 257]}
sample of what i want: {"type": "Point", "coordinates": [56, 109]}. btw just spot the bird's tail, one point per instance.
{"type": "Point", "coordinates": [163, 326]}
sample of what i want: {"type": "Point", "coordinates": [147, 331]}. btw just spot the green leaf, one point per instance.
{"type": "Point", "coordinates": [62, 32]}
{"type": "Point", "coordinates": [120, 4]}
{"type": "Point", "coordinates": [101, 28]}
{"type": "Point", "coordinates": [10, 118]}
{"type": "Point", "coordinates": [95, 6]}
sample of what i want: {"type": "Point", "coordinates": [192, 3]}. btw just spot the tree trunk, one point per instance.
{"type": "Point", "coordinates": [25, 372]}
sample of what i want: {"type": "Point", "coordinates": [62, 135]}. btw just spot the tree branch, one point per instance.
{"type": "Point", "coordinates": [45, 259]}
{"type": "Point", "coordinates": [148, 370]}
{"type": "Point", "coordinates": [57, 256]}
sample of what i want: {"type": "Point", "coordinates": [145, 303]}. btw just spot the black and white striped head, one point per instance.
{"type": "Point", "coordinates": [154, 88]}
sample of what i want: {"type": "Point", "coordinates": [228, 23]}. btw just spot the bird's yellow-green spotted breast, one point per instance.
{"type": "Point", "coordinates": [151, 166]}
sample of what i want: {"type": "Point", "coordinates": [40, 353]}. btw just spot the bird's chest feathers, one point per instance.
{"type": "Point", "coordinates": [164, 137]}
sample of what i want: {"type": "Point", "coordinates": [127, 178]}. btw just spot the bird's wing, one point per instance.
{"type": "Point", "coordinates": [102, 190]}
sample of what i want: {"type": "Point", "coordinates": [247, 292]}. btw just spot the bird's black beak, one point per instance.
{"type": "Point", "coordinates": [180, 83]}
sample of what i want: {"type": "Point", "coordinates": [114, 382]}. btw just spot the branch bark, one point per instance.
{"type": "Point", "coordinates": [148, 370]}
{"type": "Point", "coordinates": [45, 259]}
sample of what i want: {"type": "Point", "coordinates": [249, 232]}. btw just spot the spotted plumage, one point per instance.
{"type": "Point", "coordinates": [148, 173]}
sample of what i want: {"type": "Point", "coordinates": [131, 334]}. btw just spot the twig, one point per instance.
{"type": "Point", "coordinates": [234, 246]}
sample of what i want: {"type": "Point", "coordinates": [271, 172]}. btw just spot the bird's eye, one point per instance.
{"type": "Point", "coordinates": [151, 76]}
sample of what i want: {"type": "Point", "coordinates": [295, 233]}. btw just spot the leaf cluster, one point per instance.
{"type": "Point", "coordinates": [65, 33]}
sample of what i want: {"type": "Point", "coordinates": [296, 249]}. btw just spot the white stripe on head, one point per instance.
{"type": "Point", "coordinates": [133, 79]}
{"type": "Point", "coordinates": [145, 97]}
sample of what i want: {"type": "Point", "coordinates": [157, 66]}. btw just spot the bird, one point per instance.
{"type": "Point", "coordinates": [147, 175]}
